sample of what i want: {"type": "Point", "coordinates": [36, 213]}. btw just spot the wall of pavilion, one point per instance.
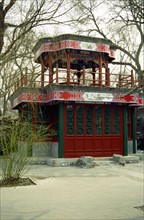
{"type": "Point", "coordinates": [83, 108]}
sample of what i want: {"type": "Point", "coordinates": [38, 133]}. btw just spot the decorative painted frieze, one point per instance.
{"type": "Point", "coordinates": [78, 97]}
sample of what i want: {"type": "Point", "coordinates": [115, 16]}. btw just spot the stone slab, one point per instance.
{"type": "Point", "coordinates": [125, 159]}
{"type": "Point", "coordinates": [131, 159]}
{"type": "Point", "coordinates": [140, 155]}
{"type": "Point", "coordinates": [60, 162]}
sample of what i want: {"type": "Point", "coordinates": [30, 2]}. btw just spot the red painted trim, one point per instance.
{"type": "Point", "coordinates": [79, 97]}
{"type": "Point", "coordinates": [73, 44]}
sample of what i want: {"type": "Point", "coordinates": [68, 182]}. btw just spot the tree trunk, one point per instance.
{"type": "Point", "coordinates": [2, 16]}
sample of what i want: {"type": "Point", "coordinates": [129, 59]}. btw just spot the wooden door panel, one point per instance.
{"type": "Point", "coordinates": [79, 143]}
{"type": "Point", "coordinates": [98, 141]}
{"type": "Point", "coordinates": [98, 144]}
{"type": "Point", "coordinates": [89, 144]}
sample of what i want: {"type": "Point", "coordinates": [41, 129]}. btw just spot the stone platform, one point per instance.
{"type": "Point", "coordinates": [62, 162]}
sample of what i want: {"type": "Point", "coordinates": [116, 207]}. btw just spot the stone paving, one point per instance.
{"type": "Point", "coordinates": [107, 191]}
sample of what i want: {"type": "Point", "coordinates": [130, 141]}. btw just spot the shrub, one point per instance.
{"type": "Point", "coordinates": [14, 162]}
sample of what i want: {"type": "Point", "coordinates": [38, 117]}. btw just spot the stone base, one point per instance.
{"type": "Point", "coordinates": [140, 155]}
{"type": "Point", "coordinates": [60, 162]}
{"type": "Point", "coordinates": [38, 160]}
{"type": "Point", "coordinates": [39, 149]}
{"type": "Point", "coordinates": [125, 159]}
{"type": "Point", "coordinates": [55, 149]}
{"type": "Point", "coordinates": [130, 147]}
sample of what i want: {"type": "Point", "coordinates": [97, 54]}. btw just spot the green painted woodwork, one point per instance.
{"type": "Point", "coordinates": [116, 120]}
{"type": "Point", "coordinates": [98, 120]}
{"type": "Point", "coordinates": [125, 131]}
{"type": "Point", "coordinates": [80, 119]}
{"type": "Point", "coordinates": [70, 119]}
{"type": "Point", "coordinates": [107, 120]}
{"type": "Point", "coordinates": [89, 120]}
{"type": "Point", "coordinates": [134, 129]}
{"type": "Point", "coordinates": [61, 131]}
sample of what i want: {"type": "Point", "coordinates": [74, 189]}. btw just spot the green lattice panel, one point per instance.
{"type": "Point", "coordinates": [98, 120]}
{"type": "Point", "coordinates": [80, 120]}
{"type": "Point", "coordinates": [89, 120]}
{"type": "Point", "coordinates": [107, 120]}
{"type": "Point", "coordinates": [70, 120]}
{"type": "Point", "coordinates": [116, 120]}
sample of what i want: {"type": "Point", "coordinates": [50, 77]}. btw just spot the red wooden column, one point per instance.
{"type": "Point", "coordinates": [107, 77]}
{"type": "Point", "coordinates": [107, 74]}
{"type": "Point", "coordinates": [100, 70]}
{"type": "Point", "coordinates": [50, 69]}
{"type": "Point", "coordinates": [68, 67]}
{"type": "Point", "coordinates": [42, 72]}
{"type": "Point", "coordinates": [93, 74]}
{"type": "Point", "coordinates": [83, 75]}
{"type": "Point", "coordinates": [42, 75]}
{"type": "Point", "coordinates": [57, 73]}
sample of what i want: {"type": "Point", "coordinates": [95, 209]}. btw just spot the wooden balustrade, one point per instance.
{"type": "Point", "coordinates": [85, 77]}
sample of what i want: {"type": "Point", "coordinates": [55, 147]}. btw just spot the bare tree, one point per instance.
{"type": "Point", "coordinates": [20, 24]}
{"type": "Point", "coordinates": [19, 61]}
{"type": "Point", "coordinates": [22, 16]}
{"type": "Point", "coordinates": [121, 22]}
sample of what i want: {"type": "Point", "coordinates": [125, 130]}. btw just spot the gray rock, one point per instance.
{"type": "Point", "coordinates": [85, 162]}
{"type": "Point", "coordinates": [119, 159]}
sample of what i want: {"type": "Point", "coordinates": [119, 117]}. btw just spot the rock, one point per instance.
{"type": "Point", "coordinates": [122, 161]}
{"type": "Point", "coordinates": [131, 159]}
{"type": "Point", "coordinates": [85, 162]}
{"type": "Point", "coordinates": [119, 159]}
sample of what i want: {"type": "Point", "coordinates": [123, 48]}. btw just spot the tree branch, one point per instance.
{"type": "Point", "coordinates": [9, 6]}
{"type": "Point", "coordinates": [125, 63]}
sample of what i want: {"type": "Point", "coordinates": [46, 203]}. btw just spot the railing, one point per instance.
{"type": "Point", "coordinates": [27, 80]}
{"type": "Point", "coordinates": [73, 77]}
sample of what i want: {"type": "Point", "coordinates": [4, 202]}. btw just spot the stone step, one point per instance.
{"type": "Point", "coordinates": [60, 162]}
{"type": "Point", "coordinates": [140, 155]}
{"type": "Point", "coordinates": [125, 159]}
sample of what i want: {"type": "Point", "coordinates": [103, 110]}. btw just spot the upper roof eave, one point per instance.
{"type": "Point", "coordinates": [72, 37]}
